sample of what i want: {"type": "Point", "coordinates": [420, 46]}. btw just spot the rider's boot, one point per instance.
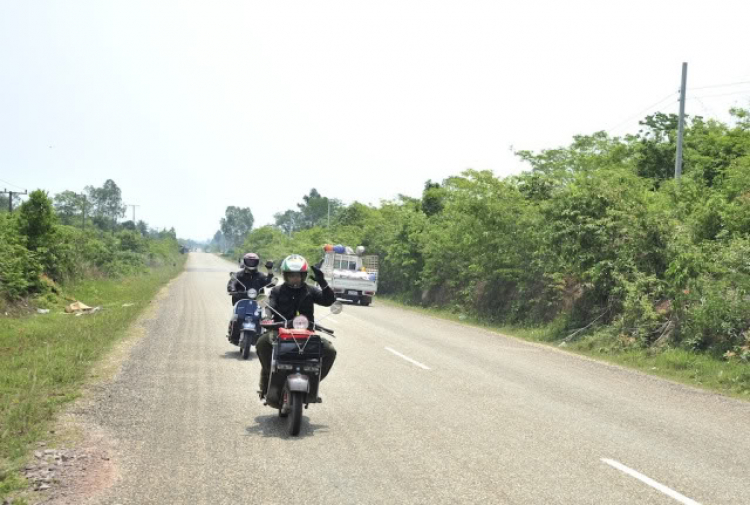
{"type": "Point", "coordinates": [263, 384]}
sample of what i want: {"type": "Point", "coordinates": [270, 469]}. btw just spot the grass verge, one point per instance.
{"type": "Point", "coordinates": [46, 358]}
{"type": "Point", "coordinates": [731, 378]}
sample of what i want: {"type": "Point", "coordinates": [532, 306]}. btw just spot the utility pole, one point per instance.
{"type": "Point", "coordinates": [10, 197]}
{"type": "Point", "coordinates": [134, 206]}
{"type": "Point", "coordinates": [681, 124]}
{"type": "Point", "coordinates": [84, 201]}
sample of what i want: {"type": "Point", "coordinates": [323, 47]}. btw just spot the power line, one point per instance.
{"type": "Point", "coordinates": [722, 85]}
{"type": "Point", "coordinates": [709, 111]}
{"type": "Point", "coordinates": [640, 114]}
{"type": "Point", "coordinates": [14, 185]}
{"type": "Point", "coordinates": [742, 92]}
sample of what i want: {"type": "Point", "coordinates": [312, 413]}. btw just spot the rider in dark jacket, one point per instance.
{"type": "Point", "coordinates": [249, 278]}
{"type": "Point", "coordinates": [293, 298]}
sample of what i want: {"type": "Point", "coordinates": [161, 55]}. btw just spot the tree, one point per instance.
{"type": "Point", "coordinates": [37, 220]}
{"type": "Point", "coordinates": [69, 207]}
{"type": "Point", "coordinates": [314, 209]}
{"type": "Point", "coordinates": [106, 203]}
{"type": "Point", "coordinates": [656, 146]}
{"type": "Point", "coordinates": [236, 224]}
{"type": "Point", "coordinates": [355, 214]}
{"type": "Point", "coordinates": [287, 221]}
{"type": "Point", "coordinates": [217, 242]}
{"type": "Point", "coordinates": [128, 225]}
{"type": "Point", "coordinates": [432, 198]}
{"type": "Point", "coordinates": [142, 227]}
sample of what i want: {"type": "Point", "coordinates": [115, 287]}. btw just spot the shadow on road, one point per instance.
{"type": "Point", "coordinates": [274, 426]}
{"type": "Point", "coordinates": [235, 354]}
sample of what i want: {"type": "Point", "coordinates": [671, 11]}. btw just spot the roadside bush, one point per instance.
{"type": "Point", "coordinates": [714, 310]}
{"type": "Point", "coordinates": [19, 268]}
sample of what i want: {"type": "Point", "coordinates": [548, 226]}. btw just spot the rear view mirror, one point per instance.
{"type": "Point", "coordinates": [337, 307]}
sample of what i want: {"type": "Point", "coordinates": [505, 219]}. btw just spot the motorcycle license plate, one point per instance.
{"type": "Point", "coordinates": [352, 292]}
{"type": "Point", "coordinates": [248, 326]}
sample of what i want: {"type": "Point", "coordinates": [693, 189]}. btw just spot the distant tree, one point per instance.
{"type": "Point", "coordinates": [106, 203]}
{"type": "Point", "coordinates": [314, 209]}
{"type": "Point", "coordinates": [69, 207]}
{"type": "Point", "coordinates": [128, 225]}
{"type": "Point", "coordinates": [355, 214]}
{"type": "Point", "coordinates": [142, 227]}
{"type": "Point", "coordinates": [432, 198]}
{"type": "Point", "coordinates": [236, 224]}
{"type": "Point", "coordinates": [217, 242]}
{"type": "Point", "coordinates": [288, 221]}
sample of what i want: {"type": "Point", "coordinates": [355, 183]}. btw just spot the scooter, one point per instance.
{"type": "Point", "coordinates": [247, 313]}
{"type": "Point", "coordinates": [296, 363]}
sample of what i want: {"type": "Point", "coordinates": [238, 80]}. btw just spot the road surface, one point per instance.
{"type": "Point", "coordinates": [417, 410]}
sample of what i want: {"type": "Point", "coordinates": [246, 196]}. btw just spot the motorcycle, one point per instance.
{"type": "Point", "coordinates": [247, 313]}
{"type": "Point", "coordinates": [295, 366]}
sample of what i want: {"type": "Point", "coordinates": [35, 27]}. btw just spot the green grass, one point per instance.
{"type": "Point", "coordinates": [692, 368]}
{"type": "Point", "coordinates": [46, 358]}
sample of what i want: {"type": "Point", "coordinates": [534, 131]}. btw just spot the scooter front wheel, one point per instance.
{"type": "Point", "coordinates": [244, 345]}
{"type": "Point", "coordinates": [295, 419]}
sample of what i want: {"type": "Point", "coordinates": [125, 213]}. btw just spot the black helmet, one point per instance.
{"type": "Point", "coordinates": [250, 262]}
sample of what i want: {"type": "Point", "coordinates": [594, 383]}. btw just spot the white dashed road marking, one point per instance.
{"type": "Point", "coordinates": [646, 480]}
{"type": "Point", "coordinates": [407, 358]}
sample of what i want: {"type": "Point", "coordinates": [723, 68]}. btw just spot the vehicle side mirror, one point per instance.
{"type": "Point", "coordinates": [337, 307]}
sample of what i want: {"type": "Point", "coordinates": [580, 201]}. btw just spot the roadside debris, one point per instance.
{"type": "Point", "coordinates": [42, 311]}
{"type": "Point", "coordinates": [79, 308]}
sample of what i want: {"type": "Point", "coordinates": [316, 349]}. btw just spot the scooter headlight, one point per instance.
{"type": "Point", "coordinates": [300, 323]}
{"type": "Point", "coordinates": [252, 293]}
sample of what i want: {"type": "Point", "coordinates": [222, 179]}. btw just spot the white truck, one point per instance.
{"type": "Point", "coordinates": [353, 277]}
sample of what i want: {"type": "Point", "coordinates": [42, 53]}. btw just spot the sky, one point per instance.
{"type": "Point", "coordinates": [193, 106]}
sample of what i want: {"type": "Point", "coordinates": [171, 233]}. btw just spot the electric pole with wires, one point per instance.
{"type": "Point", "coordinates": [681, 125]}
{"type": "Point", "coordinates": [10, 197]}
{"type": "Point", "coordinates": [133, 206]}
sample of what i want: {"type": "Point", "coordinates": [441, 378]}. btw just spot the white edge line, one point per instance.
{"type": "Point", "coordinates": [407, 358]}
{"type": "Point", "coordinates": [661, 487]}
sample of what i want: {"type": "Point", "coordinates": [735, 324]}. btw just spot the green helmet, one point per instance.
{"type": "Point", "coordinates": [294, 264]}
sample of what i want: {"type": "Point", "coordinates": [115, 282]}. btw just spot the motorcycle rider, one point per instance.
{"type": "Point", "coordinates": [292, 298]}
{"type": "Point", "coordinates": [251, 278]}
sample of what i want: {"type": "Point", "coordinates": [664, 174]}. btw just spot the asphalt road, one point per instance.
{"type": "Point", "coordinates": [416, 410]}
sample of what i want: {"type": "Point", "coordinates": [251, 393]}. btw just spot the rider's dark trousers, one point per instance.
{"type": "Point", "coordinates": [264, 348]}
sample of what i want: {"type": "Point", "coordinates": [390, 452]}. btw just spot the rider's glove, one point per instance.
{"type": "Point", "coordinates": [319, 278]}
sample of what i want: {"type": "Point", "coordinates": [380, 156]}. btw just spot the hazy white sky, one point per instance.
{"type": "Point", "coordinates": [193, 106]}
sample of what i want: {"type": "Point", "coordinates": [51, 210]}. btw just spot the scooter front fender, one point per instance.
{"type": "Point", "coordinates": [298, 382]}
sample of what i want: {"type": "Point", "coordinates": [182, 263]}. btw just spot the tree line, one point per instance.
{"type": "Point", "coordinates": [596, 239]}
{"type": "Point", "coordinates": [47, 242]}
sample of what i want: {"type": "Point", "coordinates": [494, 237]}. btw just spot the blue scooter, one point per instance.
{"type": "Point", "coordinates": [247, 314]}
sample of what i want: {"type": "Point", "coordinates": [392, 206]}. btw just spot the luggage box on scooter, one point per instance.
{"type": "Point", "coordinates": [288, 351]}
